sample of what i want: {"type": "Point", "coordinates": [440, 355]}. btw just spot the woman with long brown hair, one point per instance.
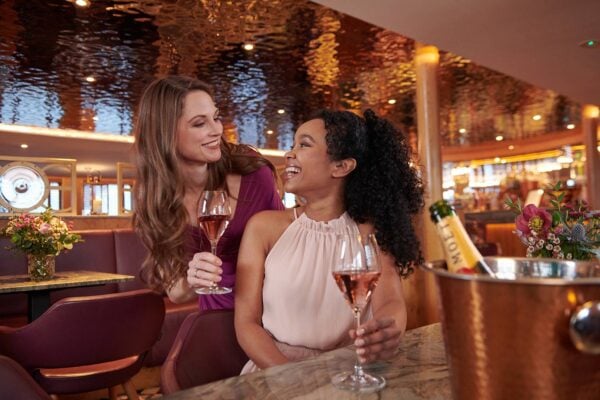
{"type": "Point", "coordinates": [180, 152]}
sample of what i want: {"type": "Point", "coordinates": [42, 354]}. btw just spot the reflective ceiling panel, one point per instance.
{"type": "Point", "coordinates": [85, 67]}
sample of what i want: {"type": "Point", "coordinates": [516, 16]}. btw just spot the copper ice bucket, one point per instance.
{"type": "Point", "coordinates": [530, 332]}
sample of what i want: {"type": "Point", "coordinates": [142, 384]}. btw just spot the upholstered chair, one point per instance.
{"type": "Point", "coordinates": [205, 350]}
{"type": "Point", "coordinates": [87, 343]}
{"type": "Point", "coordinates": [16, 383]}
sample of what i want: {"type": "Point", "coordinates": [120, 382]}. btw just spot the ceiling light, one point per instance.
{"type": "Point", "coordinates": [82, 3]}
{"type": "Point", "coordinates": [462, 130]}
{"type": "Point", "coordinates": [511, 147]}
{"type": "Point", "coordinates": [392, 101]}
{"type": "Point", "coordinates": [571, 126]}
{"type": "Point", "coordinates": [90, 79]}
{"type": "Point", "coordinates": [24, 145]}
{"type": "Point", "coordinates": [536, 117]}
{"type": "Point", "coordinates": [68, 133]}
{"type": "Point", "coordinates": [589, 44]}
{"type": "Point", "coordinates": [248, 46]}
{"type": "Point", "coordinates": [497, 159]}
{"type": "Point", "coordinates": [499, 138]}
{"type": "Point", "coordinates": [95, 118]}
{"type": "Point", "coordinates": [270, 132]}
{"type": "Point", "coordinates": [281, 111]}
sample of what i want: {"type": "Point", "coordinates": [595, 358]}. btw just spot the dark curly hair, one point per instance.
{"type": "Point", "coordinates": [384, 189]}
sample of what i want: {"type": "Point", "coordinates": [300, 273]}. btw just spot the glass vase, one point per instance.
{"type": "Point", "coordinates": [40, 267]}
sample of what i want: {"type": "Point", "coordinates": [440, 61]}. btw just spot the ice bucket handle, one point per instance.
{"type": "Point", "coordinates": [584, 327]}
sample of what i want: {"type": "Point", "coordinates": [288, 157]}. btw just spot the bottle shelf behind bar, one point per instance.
{"type": "Point", "coordinates": [483, 185]}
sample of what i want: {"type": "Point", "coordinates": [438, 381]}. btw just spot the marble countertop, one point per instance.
{"type": "Point", "coordinates": [419, 371]}
{"type": "Point", "coordinates": [61, 279]}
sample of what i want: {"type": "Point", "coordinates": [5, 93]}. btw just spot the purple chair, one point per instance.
{"type": "Point", "coordinates": [205, 350]}
{"type": "Point", "coordinates": [16, 383]}
{"type": "Point", "coordinates": [87, 343]}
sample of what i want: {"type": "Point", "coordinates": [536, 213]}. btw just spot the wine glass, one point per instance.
{"type": "Point", "coordinates": [214, 214]}
{"type": "Point", "coordinates": [356, 272]}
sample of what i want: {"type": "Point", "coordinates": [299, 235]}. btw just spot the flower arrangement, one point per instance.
{"type": "Point", "coordinates": [40, 235]}
{"type": "Point", "coordinates": [564, 231]}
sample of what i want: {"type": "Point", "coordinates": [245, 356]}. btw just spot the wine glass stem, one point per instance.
{"type": "Point", "coordinates": [358, 370]}
{"type": "Point", "coordinates": [213, 249]}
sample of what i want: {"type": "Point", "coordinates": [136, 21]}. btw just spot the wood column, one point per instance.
{"type": "Point", "coordinates": [589, 128]}
{"type": "Point", "coordinates": [422, 288]}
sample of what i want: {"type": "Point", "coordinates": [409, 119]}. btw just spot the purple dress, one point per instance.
{"type": "Point", "coordinates": [257, 193]}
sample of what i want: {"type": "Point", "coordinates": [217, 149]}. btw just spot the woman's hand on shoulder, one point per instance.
{"type": "Point", "coordinates": [378, 339]}
{"type": "Point", "coordinates": [204, 269]}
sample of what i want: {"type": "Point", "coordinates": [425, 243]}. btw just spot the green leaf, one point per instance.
{"type": "Point", "coordinates": [556, 218]}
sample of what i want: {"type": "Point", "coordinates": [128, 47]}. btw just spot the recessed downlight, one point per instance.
{"type": "Point", "coordinates": [24, 145]}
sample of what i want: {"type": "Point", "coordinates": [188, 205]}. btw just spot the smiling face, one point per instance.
{"type": "Point", "coordinates": [308, 166]}
{"type": "Point", "coordinates": [199, 129]}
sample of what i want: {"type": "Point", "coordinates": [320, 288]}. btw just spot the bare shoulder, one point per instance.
{"type": "Point", "coordinates": [266, 227]}
{"type": "Point", "coordinates": [270, 220]}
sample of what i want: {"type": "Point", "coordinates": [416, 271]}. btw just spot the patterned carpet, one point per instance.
{"type": "Point", "coordinates": [146, 394]}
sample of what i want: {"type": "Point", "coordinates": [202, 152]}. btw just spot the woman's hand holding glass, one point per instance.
{"type": "Point", "coordinates": [214, 213]}
{"type": "Point", "coordinates": [204, 270]}
{"type": "Point", "coordinates": [378, 339]}
{"type": "Point", "coordinates": [356, 272]}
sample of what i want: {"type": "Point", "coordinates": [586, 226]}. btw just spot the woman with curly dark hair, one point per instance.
{"type": "Point", "coordinates": [351, 173]}
{"type": "Point", "coordinates": [179, 152]}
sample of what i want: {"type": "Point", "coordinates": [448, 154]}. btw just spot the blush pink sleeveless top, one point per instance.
{"type": "Point", "coordinates": [303, 309]}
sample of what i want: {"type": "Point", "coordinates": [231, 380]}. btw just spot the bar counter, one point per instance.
{"type": "Point", "coordinates": [418, 371]}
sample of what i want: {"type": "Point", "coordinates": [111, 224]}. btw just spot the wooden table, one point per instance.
{"type": "Point", "coordinates": [38, 293]}
{"type": "Point", "coordinates": [418, 371]}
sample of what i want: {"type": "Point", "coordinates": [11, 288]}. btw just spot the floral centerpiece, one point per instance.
{"type": "Point", "coordinates": [41, 238]}
{"type": "Point", "coordinates": [564, 231]}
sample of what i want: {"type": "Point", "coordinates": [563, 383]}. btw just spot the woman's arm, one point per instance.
{"type": "Point", "coordinates": [253, 338]}
{"type": "Point", "coordinates": [181, 292]}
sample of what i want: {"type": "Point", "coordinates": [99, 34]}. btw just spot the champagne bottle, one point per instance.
{"type": "Point", "coordinates": [461, 254]}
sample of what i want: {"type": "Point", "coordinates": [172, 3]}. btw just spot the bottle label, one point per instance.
{"type": "Point", "coordinates": [460, 251]}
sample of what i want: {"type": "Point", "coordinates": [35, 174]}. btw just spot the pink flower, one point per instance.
{"type": "Point", "coordinates": [45, 228]}
{"type": "Point", "coordinates": [533, 219]}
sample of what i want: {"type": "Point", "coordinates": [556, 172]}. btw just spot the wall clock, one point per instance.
{"type": "Point", "coordinates": [23, 186]}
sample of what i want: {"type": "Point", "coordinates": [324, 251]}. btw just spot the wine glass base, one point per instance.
{"type": "Point", "coordinates": [213, 290]}
{"type": "Point", "coordinates": [364, 383]}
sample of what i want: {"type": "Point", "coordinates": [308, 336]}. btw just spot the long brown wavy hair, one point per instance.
{"type": "Point", "coordinates": [160, 217]}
